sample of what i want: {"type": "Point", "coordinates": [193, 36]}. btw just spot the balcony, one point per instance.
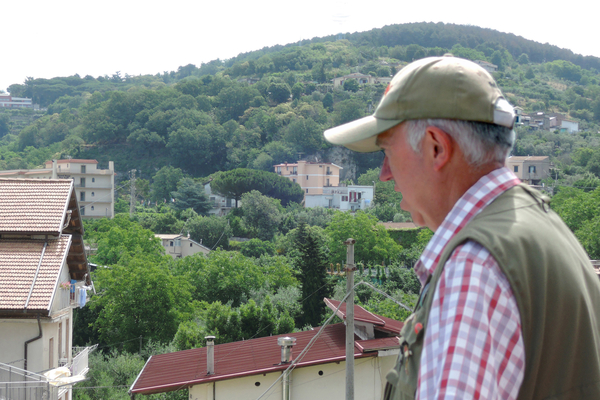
{"type": "Point", "coordinates": [70, 294]}
{"type": "Point", "coordinates": [329, 173]}
{"type": "Point", "coordinates": [18, 384]}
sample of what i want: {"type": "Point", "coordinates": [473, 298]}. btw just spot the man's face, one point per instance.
{"type": "Point", "coordinates": [406, 168]}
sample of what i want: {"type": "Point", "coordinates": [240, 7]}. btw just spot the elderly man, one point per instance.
{"type": "Point", "coordinates": [510, 304]}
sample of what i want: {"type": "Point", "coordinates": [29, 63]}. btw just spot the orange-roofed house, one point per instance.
{"type": "Point", "coordinates": [248, 369]}
{"type": "Point", "coordinates": [44, 274]}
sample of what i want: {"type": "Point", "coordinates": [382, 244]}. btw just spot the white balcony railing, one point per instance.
{"type": "Point", "coordinates": [18, 384]}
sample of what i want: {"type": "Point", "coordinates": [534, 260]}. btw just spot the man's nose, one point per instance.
{"type": "Point", "coordinates": [385, 174]}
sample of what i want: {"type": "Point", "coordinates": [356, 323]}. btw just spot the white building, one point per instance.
{"type": "Point", "coordinates": [344, 198]}
{"type": "Point", "coordinates": [178, 246]}
{"type": "Point", "coordinates": [8, 101]}
{"type": "Point", "coordinates": [95, 188]}
{"type": "Point", "coordinates": [569, 126]}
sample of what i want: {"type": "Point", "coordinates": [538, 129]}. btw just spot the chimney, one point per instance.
{"type": "Point", "coordinates": [54, 173]}
{"type": "Point", "coordinates": [286, 344]}
{"type": "Point", "coordinates": [210, 355]}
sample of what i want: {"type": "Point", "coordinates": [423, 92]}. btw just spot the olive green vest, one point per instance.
{"type": "Point", "coordinates": [556, 289]}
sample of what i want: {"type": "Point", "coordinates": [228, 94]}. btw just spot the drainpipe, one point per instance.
{"type": "Point", "coordinates": [286, 344]}
{"type": "Point", "coordinates": [32, 340]}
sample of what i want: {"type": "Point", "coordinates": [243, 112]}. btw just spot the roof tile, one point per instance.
{"type": "Point", "coordinates": [33, 205]}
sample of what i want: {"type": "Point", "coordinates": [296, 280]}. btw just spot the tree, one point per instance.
{"type": "Point", "coordinates": [351, 85]}
{"type": "Point", "coordinates": [165, 182]}
{"type": "Point", "coordinates": [311, 260]}
{"type": "Point", "coordinates": [233, 184]}
{"type": "Point", "coordinates": [305, 135]}
{"type": "Point", "coordinates": [297, 90]}
{"type": "Point", "coordinates": [190, 194]}
{"type": "Point", "coordinates": [279, 92]}
{"type": "Point", "coordinates": [211, 231]}
{"type": "Point", "coordinates": [261, 215]}
{"type": "Point", "coordinates": [139, 298]}
{"type": "Point", "coordinates": [373, 243]}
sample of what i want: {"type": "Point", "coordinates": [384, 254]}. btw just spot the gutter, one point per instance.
{"type": "Point", "coordinates": [32, 340]}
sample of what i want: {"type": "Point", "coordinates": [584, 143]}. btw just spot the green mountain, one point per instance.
{"type": "Point", "coordinates": [271, 105]}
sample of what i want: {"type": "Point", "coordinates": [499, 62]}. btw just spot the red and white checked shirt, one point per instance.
{"type": "Point", "coordinates": [473, 346]}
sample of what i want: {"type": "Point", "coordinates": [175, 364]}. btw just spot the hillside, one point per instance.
{"type": "Point", "coordinates": [266, 107]}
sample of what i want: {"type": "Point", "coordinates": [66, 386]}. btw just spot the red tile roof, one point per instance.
{"type": "Point", "coordinates": [19, 260]}
{"type": "Point", "coordinates": [34, 205]}
{"type": "Point", "coordinates": [173, 371]}
{"type": "Point", "coordinates": [360, 314]}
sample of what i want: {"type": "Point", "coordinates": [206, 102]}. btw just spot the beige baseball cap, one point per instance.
{"type": "Point", "coordinates": [435, 87]}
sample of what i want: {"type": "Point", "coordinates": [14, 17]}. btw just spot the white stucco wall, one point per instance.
{"type": "Point", "coordinates": [319, 382]}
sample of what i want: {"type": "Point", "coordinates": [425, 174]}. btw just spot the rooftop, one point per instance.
{"type": "Point", "coordinates": [25, 286]}
{"type": "Point", "coordinates": [36, 205]}
{"type": "Point", "coordinates": [174, 371]}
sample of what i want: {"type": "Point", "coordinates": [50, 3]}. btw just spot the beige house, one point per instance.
{"type": "Point", "coordinates": [312, 177]}
{"type": "Point", "coordinates": [44, 274]}
{"type": "Point", "coordinates": [529, 169]}
{"type": "Point", "coordinates": [362, 79]}
{"type": "Point", "coordinates": [248, 369]}
{"type": "Point", "coordinates": [95, 188]}
{"type": "Point", "coordinates": [178, 246]}
{"type": "Point", "coordinates": [488, 66]}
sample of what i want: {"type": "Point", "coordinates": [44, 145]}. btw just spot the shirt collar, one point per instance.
{"type": "Point", "coordinates": [482, 193]}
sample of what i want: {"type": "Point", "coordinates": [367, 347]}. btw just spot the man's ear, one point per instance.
{"type": "Point", "coordinates": [439, 146]}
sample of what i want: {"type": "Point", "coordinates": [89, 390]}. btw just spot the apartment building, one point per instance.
{"type": "Point", "coordinates": [8, 101]}
{"type": "Point", "coordinates": [529, 169]}
{"type": "Point", "coordinates": [95, 187]}
{"type": "Point", "coordinates": [312, 177]}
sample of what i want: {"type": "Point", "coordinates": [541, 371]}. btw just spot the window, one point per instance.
{"type": "Point", "coordinates": [177, 242]}
{"type": "Point", "coordinates": [92, 208]}
{"type": "Point", "coordinates": [190, 244]}
{"type": "Point", "coordinates": [92, 194]}
{"type": "Point", "coordinates": [83, 169]}
{"type": "Point", "coordinates": [82, 196]}
{"type": "Point", "coordinates": [294, 180]}
{"type": "Point", "coordinates": [279, 170]}
{"type": "Point", "coordinates": [532, 169]}
{"type": "Point", "coordinates": [516, 168]}
{"type": "Point", "coordinates": [306, 177]}
{"type": "Point", "coordinates": [171, 244]}
{"type": "Point", "coordinates": [82, 210]}
{"type": "Point", "coordinates": [328, 182]}
{"type": "Point", "coordinates": [93, 180]}
{"type": "Point", "coordinates": [82, 182]}
{"type": "Point", "coordinates": [306, 190]}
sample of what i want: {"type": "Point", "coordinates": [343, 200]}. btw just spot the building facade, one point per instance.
{"type": "Point", "coordinates": [530, 169]}
{"type": "Point", "coordinates": [8, 101]}
{"type": "Point", "coordinates": [95, 188]}
{"type": "Point", "coordinates": [44, 274]}
{"type": "Point", "coordinates": [313, 177]}
{"type": "Point", "coordinates": [344, 198]}
{"type": "Point", "coordinates": [178, 246]}
{"type": "Point", "coordinates": [362, 79]}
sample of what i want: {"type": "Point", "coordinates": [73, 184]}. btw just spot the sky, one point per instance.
{"type": "Point", "coordinates": [50, 38]}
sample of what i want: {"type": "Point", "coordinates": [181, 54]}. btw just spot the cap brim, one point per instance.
{"type": "Point", "coordinates": [360, 135]}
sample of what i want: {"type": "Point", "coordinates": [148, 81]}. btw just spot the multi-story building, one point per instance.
{"type": "Point", "coordinates": [529, 169]}
{"type": "Point", "coordinates": [44, 274]}
{"type": "Point", "coordinates": [312, 177]}
{"type": "Point", "coordinates": [344, 198]}
{"type": "Point", "coordinates": [95, 188]}
{"type": "Point", "coordinates": [8, 101]}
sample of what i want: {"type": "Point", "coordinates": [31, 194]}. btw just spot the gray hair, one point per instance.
{"type": "Point", "coordinates": [480, 142]}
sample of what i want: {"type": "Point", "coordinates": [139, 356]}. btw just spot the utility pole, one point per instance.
{"type": "Point", "coordinates": [132, 187]}
{"type": "Point", "coordinates": [350, 268]}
